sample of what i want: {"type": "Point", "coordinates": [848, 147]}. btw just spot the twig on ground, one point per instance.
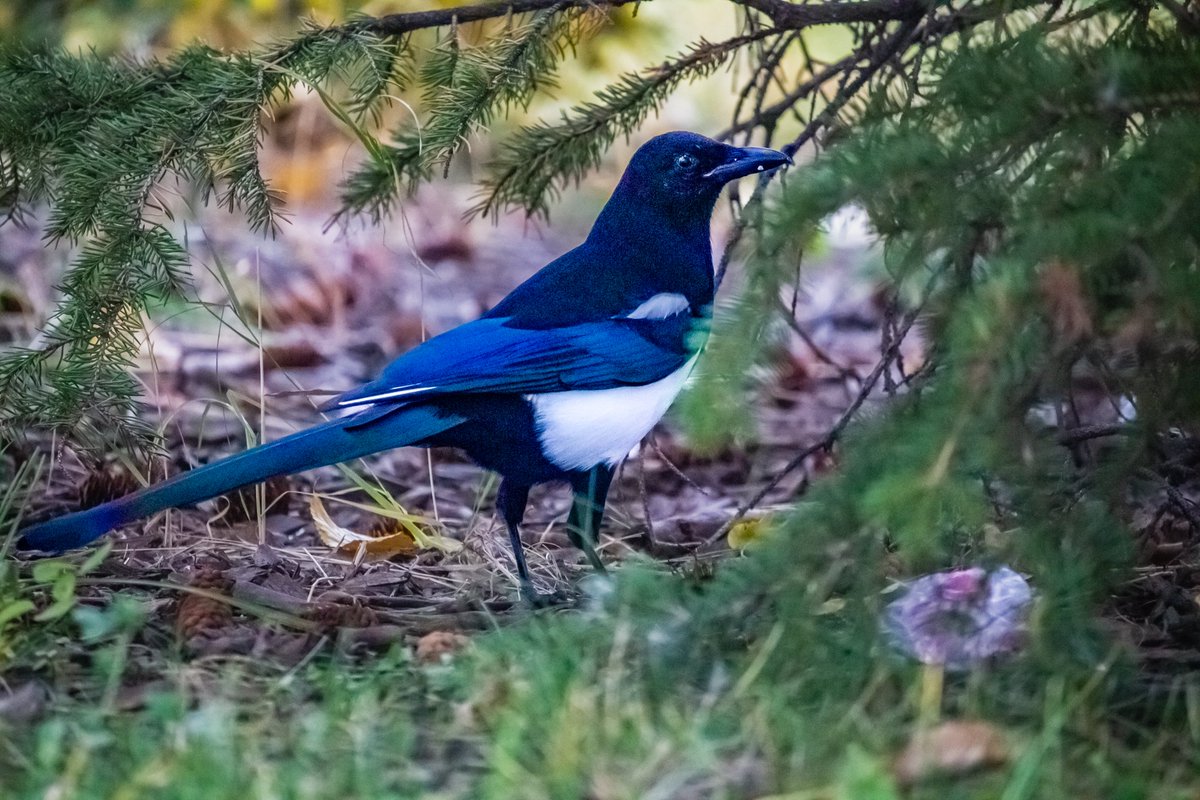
{"type": "Point", "coordinates": [644, 497]}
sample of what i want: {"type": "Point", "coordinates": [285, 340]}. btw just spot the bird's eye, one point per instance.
{"type": "Point", "coordinates": [687, 161]}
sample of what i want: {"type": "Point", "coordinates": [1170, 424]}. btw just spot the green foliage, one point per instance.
{"type": "Point", "coordinates": [40, 598]}
{"type": "Point", "coordinates": [1027, 156]}
{"type": "Point", "coordinates": [465, 88]}
{"type": "Point", "coordinates": [100, 141]}
{"type": "Point", "coordinates": [34, 600]}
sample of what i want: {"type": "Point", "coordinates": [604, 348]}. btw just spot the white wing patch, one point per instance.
{"type": "Point", "coordinates": [375, 398]}
{"type": "Point", "coordinates": [583, 428]}
{"type": "Point", "coordinates": [660, 306]}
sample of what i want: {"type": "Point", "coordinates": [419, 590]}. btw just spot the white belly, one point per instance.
{"type": "Point", "coordinates": [581, 429]}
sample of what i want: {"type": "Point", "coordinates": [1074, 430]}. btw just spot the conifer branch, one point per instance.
{"type": "Point", "coordinates": [404, 23]}
{"type": "Point", "coordinates": [536, 163]}
{"type": "Point", "coordinates": [93, 139]}
{"type": "Point", "coordinates": [465, 90]}
{"type": "Point", "coordinates": [796, 16]}
{"type": "Point", "coordinates": [784, 15]}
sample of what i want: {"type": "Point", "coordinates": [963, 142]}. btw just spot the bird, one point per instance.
{"type": "Point", "coordinates": [558, 382]}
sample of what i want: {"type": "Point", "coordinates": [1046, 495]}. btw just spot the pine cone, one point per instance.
{"type": "Point", "coordinates": [242, 504]}
{"type": "Point", "coordinates": [384, 526]}
{"type": "Point", "coordinates": [211, 578]}
{"type": "Point", "coordinates": [305, 299]}
{"type": "Point", "coordinates": [331, 616]}
{"type": "Point", "coordinates": [113, 479]}
{"type": "Point", "coordinates": [198, 614]}
{"type": "Point", "coordinates": [358, 616]}
{"type": "Point", "coordinates": [107, 482]}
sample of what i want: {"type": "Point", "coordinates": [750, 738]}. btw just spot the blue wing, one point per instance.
{"type": "Point", "coordinates": [487, 356]}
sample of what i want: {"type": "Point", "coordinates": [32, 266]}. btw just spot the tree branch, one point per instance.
{"type": "Point", "coordinates": [783, 14]}
{"type": "Point", "coordinates": [802, 15]}
{"type": "Point", "coordinates": [1086, 433]}
{"type": "Point", "coordinates": [400, 24]}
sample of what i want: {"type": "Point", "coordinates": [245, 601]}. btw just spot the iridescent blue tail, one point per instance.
{"type": "Point", "coordinates": [367, 432]}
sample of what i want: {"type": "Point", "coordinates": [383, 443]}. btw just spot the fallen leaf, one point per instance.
{"type": "Point", "coordinates": [954, 747]}
{"type": "Point", "coordinates": [749, 532]}
{"type": "Point", "coordinates": [438, 646]}
{"type": "Point", "coordinates": [359, 545]}
{"type": "Point", "coordinates": [833, 605]}
{"type": "Point", "coordinates": [347, 541]}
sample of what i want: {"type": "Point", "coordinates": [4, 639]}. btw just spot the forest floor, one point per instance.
{"type": "Point", "coordinates": [231, 650]}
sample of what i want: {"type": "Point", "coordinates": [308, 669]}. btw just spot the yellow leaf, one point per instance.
{"type": "Point", "coordinates": [360, 545]}
{"type": "Point", "coordinates": [405, 542]}
{"type": "Point", "coordinates": [749, 532]}
{"type": "Point", "coordinates": [425, 541]}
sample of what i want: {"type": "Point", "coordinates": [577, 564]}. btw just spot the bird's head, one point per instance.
{"type": "Point", "coordinates": [682, 172]}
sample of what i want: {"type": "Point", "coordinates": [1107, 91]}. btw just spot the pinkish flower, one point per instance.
{"type": "Point", "coordinates": [961, 617]}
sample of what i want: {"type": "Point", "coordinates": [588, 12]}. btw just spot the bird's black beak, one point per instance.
{"type": "Point", "coordinates": [743, 161]}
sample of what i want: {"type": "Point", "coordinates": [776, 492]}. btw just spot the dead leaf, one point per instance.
{"type": "Point", "coordinates": [438, 646]}
{"type": "Point", "coordinates": [954, 747]}
{"type": "Point", "coordinates": [407, 540]}
{"type": "Point", "coordinates": [360, 545]}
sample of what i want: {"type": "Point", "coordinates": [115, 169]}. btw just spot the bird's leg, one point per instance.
{"type": "Point", "coordinates": [510, 502]}
{"type": "Point", "coordinates": [587, 510]}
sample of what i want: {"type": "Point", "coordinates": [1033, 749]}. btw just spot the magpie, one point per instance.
{"type": "Point", "coordinates": [557, 383]}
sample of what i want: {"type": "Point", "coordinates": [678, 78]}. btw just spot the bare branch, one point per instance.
{"type": "Point", "coordinates": [783, 14]}
{"type": "Point", "coordinates": [401, 24]}
{"type": "Point", "coordinates": [1086, 433]}
{"type": "Point", "coordinates": [802, 15]}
